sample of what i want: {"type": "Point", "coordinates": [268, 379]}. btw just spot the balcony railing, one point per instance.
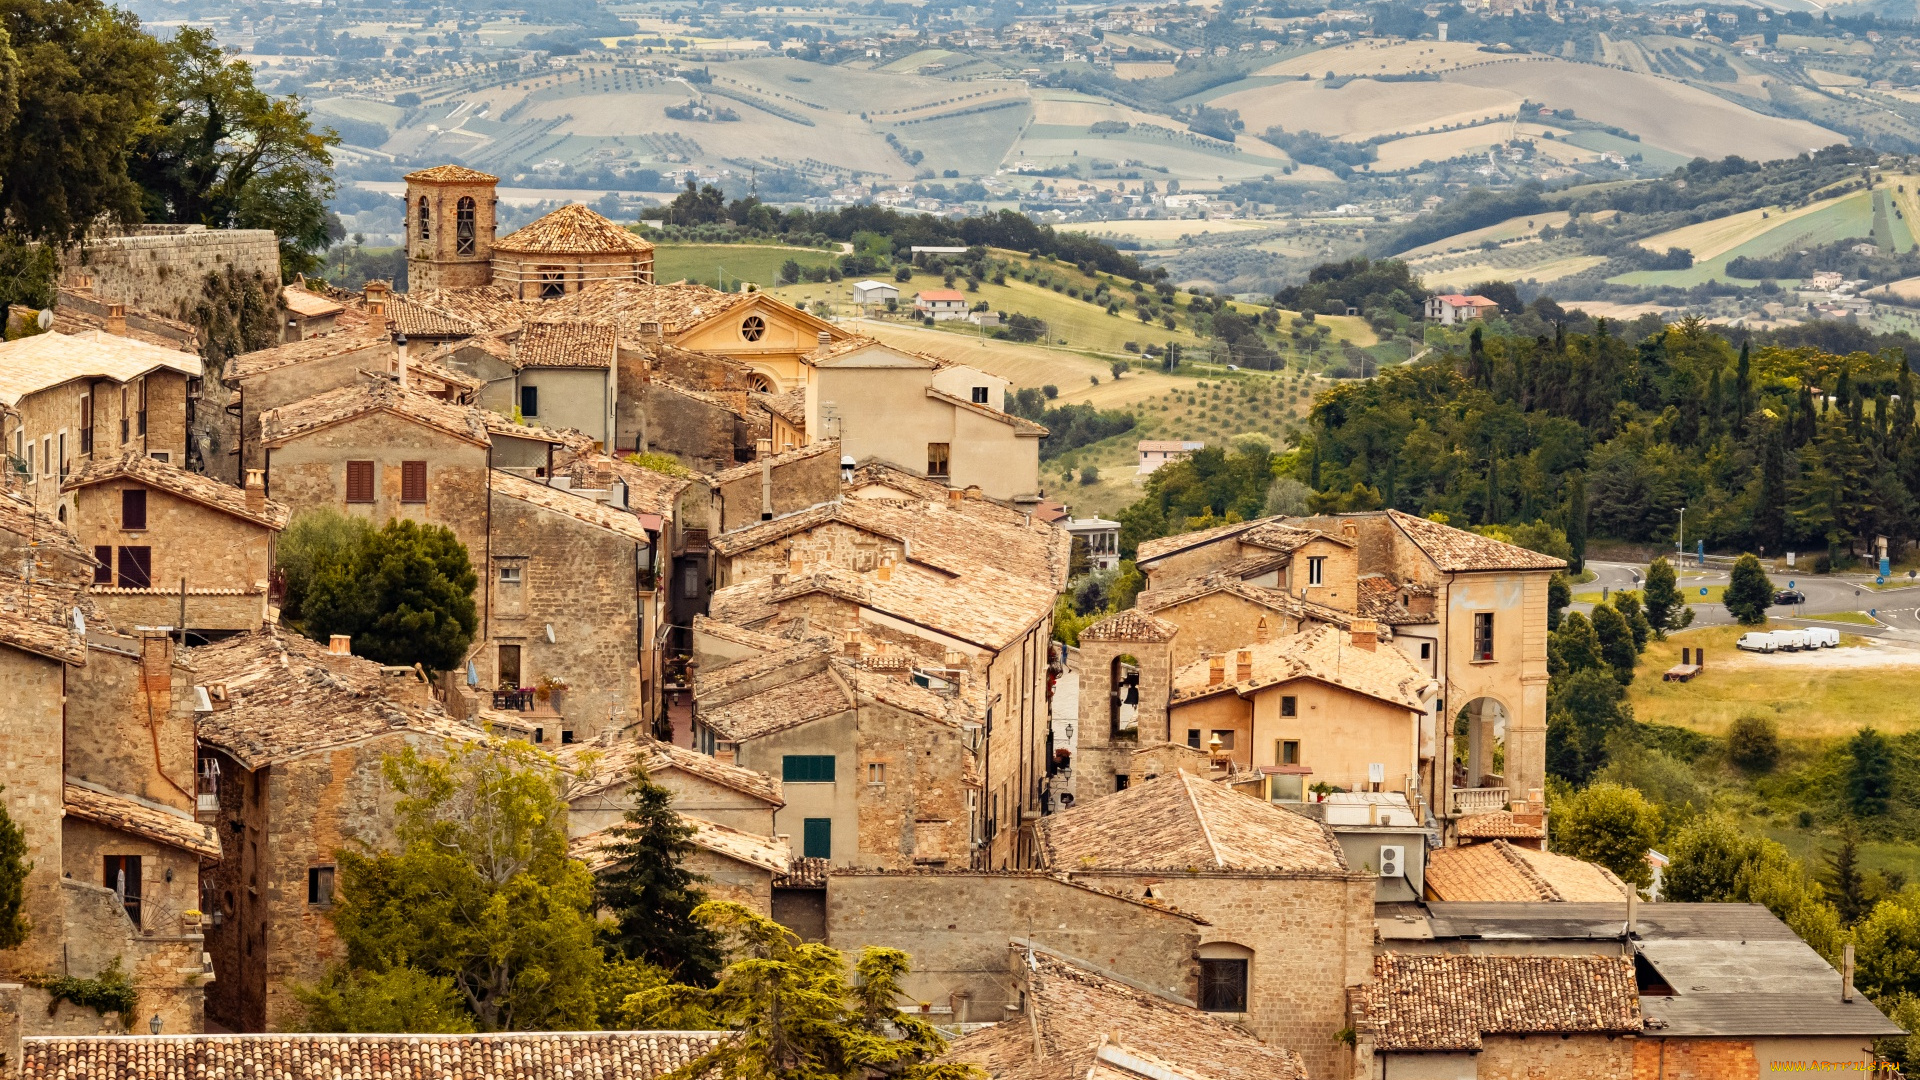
{"type": "Point", "coordinates": [513, 700]}
{"type": "Point", "coordinates": [1478, 800]}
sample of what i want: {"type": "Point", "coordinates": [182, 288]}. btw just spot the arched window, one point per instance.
{"type": "Point", "coordinates": [463, 227]}
{"type": "Point", "coordinates": [425, 217]}
{"type": "Point", "coordinates": [757, 381]}
{"type": "Point", "coordinates": [1123, 697]}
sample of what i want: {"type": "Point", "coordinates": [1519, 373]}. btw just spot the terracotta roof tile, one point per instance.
{"type": "Point", "coordinates": [415, 317]}
{"type": "Point", "coordinates": [37, 617]}
{"type": "Point", "coordinates": [649, 491]}
{"type": "Point", "coordinates": [779, 708]}
{"type": "Point", "coordinates": [609, 767]}
{"type": "Point", "coordinates": [504, 427]}
{"type": "Point", "coordinates": [174, 480]}
{"type": "Point", "coordinates": [288, 696]}
{"type": "Point", "coordinates": [1381, 599]}
{"type": "Point", "coordinates": [451, 174]}
{"type": "Point", "coordinates": [35, 363]}
{"type": "Point", "coordinates": [579, 507]}
{"type": "Point", "coordinates": [785, 457]}
{"type": "Point", "coordinates": [1130, 625]}
{"type": "Point", "coordinates": [1325, 654]}
{"type": "Point", "coordinates": [571, 230]}
{"type": "Point", "coordinates": [421, 367]}
{"type": "Point", "coordinates": [1498, 871]}
{"type": "Point", "coordinates": [309, 304]}
{"type": "Point", "coordinates": [635, 305]}
{"type": "Point", "coordinates": [371, 395]}
{"type": "Point", "coordinates": [984, 606]}
{"type": "Point", "coordinates": [1455, 550]}
{"type": "Point", "coordinates": [568, 1055]}
{"type": "Point", "coordinates": [790, 406]}
{"type": "Point", "coordinates": [1496, 825]}
{"type": "Point", "coordinates": [1272, 534]}
{"type": "Point", "coordinates": [1155, 600]}
{"type": "Point", "coordinates": [447, 313]}
{"type": "Point", "coordinates": [47, 534]}
{"type": "Point", "coordinates": [1085, 1024]}
{"type": "Point", "coordinates": [1438, 1002]}
{"type": "Point", "coordinates": [766, 852]}
{"type": "Point", "coordinates": [1166, 545]}
{"type": "Point", "coordinates": [1182, 821]}
{"type": "Point", "coordinates": [162, 825]}
{"type": "Point", "coordinates": [249, 365]}
{"type": "Point", "coordinates": [567, 343]}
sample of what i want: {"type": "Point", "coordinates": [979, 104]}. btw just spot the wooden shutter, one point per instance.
{"type": "Point", "coordinates": [103, 573]}
{"type": "Point", "coordinates": [413, 482]}
{"type": "Point", "coordinates": [133, 509]}
{"type": "Point", "coordinates": [359, 481]}
{"type": "Point", "coordinates": [136, 567]}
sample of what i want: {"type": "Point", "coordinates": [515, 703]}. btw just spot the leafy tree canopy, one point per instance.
{"type": "Point", "coordinates": [404, 593]}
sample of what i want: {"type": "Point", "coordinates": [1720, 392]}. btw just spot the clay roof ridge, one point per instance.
{"type": "Point", "coordinates": [1526, 870]}
{"type": "Point", "coordinates": [1200, 815]}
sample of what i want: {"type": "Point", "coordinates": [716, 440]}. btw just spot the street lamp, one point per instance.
{"type": "Point", "coordinates": [1680, 542]}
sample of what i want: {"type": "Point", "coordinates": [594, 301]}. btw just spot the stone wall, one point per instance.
{"type": "Point", "coordinates": [705, 435]}
{"type": "Point", "coordinates": [164, 271]}
{"type": "Point", "coordinates": [294, 382]}
{"type": "Point", "coordinates": [1221, 622]}
{"type": "Point", "coordinates": [31, 770]}
{"type": "Point", "coordinates": [731, 879]}
{"type": "Point", "coordinates": [693, 795]}
{"type": "Point", "coordinates": [832, 543]}
{"type": "Point", "coordinates": [957, 927]}
{"type": "Point", "coordinates": [792, 485]}
{"type": "Point", "coordinates": [210, 549]}
{"type": "Point", "coordinates": [49, 420]}
{"type": "Point", "coordinates": [1099, 754]}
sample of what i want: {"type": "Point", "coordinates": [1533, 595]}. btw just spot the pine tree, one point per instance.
{"type": "Point", "coordinates": [1661, 597]}
{"type": "Point", "coordinates": [651, 896]}
{"type": "Point", "coordinates": [1742, 390]}
{"type": "Point", "coordinates": [14, 868]}
{"type": "Point", "coordinates": [1869, 773]}
{"type": "Point", "coordinates": [1845, 881]}
{"type": "Point", "coordinates": [1616, 641]}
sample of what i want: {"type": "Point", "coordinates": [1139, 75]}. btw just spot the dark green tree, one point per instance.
{"type": "Point", "coordinates": [1661, 597]}
{"type": "Point", "coordinates": [401, 999]}
{"type": "Point", "coordinates": [1749, 593]}
{"type": "Point", "coordinates": [1753, 742]}
{"type": "Point", "coordinates": [1628, 605]}
{"type": "Point", "coordinates": [405, 596]}
{"type": "Point", "coordinates": [1559, 595]}
{"type": "Point", "coordinates": [1846, 882]}
{"type": "Point", "coordinates": [1577, 522]}
{"type": "Point", "coordinates": [1770, 497]}
{"type": "Point", "coordinates": [223, 153]}
{"type": "Point", "coordinates": [14, 868]}
{"type": "Point", "coordinates": [1584, 710]}
{"type": "Point", "coordinates": [650, 895]}
{"type": "Point", "coordinates": [1869, 773]}
{"type": "Point", "coordinates": [1574, 646]}
{"type": "Point", "coordinates": [1616, 642]}
{"type": "Point", "coordinates": [1610, 825]}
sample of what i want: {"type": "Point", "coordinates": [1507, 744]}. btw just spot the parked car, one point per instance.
{"type": "Point", "coordinates": [1822, 637]}
{"type": "Point", "coordinates": [1756, 641]}
{"type": "Point", "coordinates": [1789, 596]}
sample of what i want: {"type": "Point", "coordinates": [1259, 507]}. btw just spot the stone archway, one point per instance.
{"type": "Point", "coordinates": [1478, 777]}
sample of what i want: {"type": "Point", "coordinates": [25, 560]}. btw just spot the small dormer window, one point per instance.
{"type": "Point", "coordinates": [753, 328]}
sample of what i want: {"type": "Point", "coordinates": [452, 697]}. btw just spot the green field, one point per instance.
{"type": "Point", "coordinates": [725, 266]}
{"type": "Point", "coordinates": [1664, 160]}
{"type": "Point", "coordinates": [1849, 217]}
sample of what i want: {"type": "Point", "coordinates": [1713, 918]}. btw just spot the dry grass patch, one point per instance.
{"type": "Point", "coordinates": [1820, 694]}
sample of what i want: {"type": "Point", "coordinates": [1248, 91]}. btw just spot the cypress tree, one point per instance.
{"type": "Point", "coordinates": [1577, 522]}
{"type": "Point", "coordinates": [1770, 508]}
{"type": "Point", "coordinates": [1742, 391]}
{"type": "Point", "coordinates": [14, 868]}
{"type": "Point", "coordinates": [1616, 641]}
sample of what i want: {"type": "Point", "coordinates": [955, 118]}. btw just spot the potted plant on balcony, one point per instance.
{"type": "Point", "coordinates": [552, 691]}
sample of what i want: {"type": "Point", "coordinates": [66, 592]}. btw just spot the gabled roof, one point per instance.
{"type": "Point", "coordinates": [984, 607]}
{"type": "Point", "coordinates": [1324, 654]}
{"type": "Point", "coordinates": [416, 317]}
{"type": "Point", "coordinates": [571, 230]}
{"type": "Point", "coordinates": [786, 457]}
{"type": "Point", "coordinates": [160, 824]}
{"type": "Point", "coordinates": [1086, 1024]}
{"type": "Point", "coordinates": [613, 766]}
{"type": "Point", "coordinates": [1438, 1002]}
{"type": "Point", "coordinates": [1456, 550]}
{"type": "Point", "coordinates": [520, 1055]}
{"type": "Point", "coordinates": [766, 852]}
{"type": "Point", "coordinates": [1020, 425]}
{"type": "Point", "coordinates": [1155, 600]}
{"type": "Point", "coordinates": [289, 697]}
{"type": "Point", "coordinates": [421, 367]}
{"type": "Point", "coordinates": [37, 617]}
{"type": "Point", "coordinates": [790, 406]}
{"type": "Point", "coordinates": [779, 708]}
{"type": "Point", "coordinates": [1382, 600]}
{"type": "Point", "coordinates": [451, 174]}
{"type": "Point", "coordinates": [578, 507]}
{"type": "Point", "coordinates": [1272, 534]}
{"type": "Point", "coordinates": [649, 491]}
{"type": "Point", "coordinates": [40, 361]}
{"type": "Point", "coordinates": [827, 355]}
{"type": "Point", "coordinates": [944, 296]}
{"type": "Point", "coordinates": [489, 309]}
{"type": "Point", "coordinates": [634, 305]}
{"type": "Point", "coordinates": [40, 529]}
{"type": "Point", "coordinates": [568, 343]}
{"type": "Point", "coordinates": [1130, 625]}
{"type": "Point", "coordinates": [1181, 822]}
{"type": "Point", "coordinates": [502, 427]}
{"type": "Point", "coordinates": [1497, 825]}
{"type": "Point", "coordinates": [174, 480]}
{"type": "Point", "coordinates": [309, 304]}
{"type": "Point", "coordinates": [248, 365]}
{"type": "Point", "coordinates": [1498, 871]}
{"type": "Point", "coordinates": [367, 396]}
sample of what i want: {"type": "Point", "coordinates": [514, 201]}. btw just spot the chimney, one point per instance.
{"type": "Point", "coordinates": [851, 647]}
{"type": "Point", "coordinates": [762, 448]}
{"type": "Point", "coordinates": [256, 492]}
{"type": "Point", "coordinates": [1846, 974]}
{"type": "Point", "coordinates": [1243, 666]}
{"type": "Point", "coordinates": [340, 645]}
{"type": "Point", "coordinates": [1633, 911]}
{"type": "Point", "coordinates": [885, 570]}
{"type": "Point", "coordinates": [826, 339]}
{"type": "Point", "coordinates": [1349, 530]}
{"type": "Point", "coordinates": [1216, 670]}
{"type": "Point", "coordinates": [12, 1026]}
{"type": "Point", "coordinates": [117, 319]}
{"type": "Point", "coordinates": [954, 497]}
{"type": "Point", "coordinates": [1260, 632]}
{"type": "Point", "coordinates": [400, 359]}
{"type": "Point", "coordinates": [1365, 633]}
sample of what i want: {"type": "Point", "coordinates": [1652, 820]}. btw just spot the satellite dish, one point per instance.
{"type": "Point", "coordinates": [44, 320]}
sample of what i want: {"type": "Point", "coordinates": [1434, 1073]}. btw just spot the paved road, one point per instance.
{"type": "Point", "coordinates": [1898, 608]}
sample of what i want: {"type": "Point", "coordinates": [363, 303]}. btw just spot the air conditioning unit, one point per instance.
{"type": "Point", "coordinates": [1393, 860]}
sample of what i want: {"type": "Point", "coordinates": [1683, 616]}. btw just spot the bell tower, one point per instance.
{"type": "Point", "coordinates": [450, 218]}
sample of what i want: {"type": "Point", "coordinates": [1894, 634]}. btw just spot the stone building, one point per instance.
{"type": "Point", "coordinates": [98, 774]}
{"type": "Point", "coordinates": [291, 744]}
{"type": "Point", "coordinates": [374, 451]}
{"type": "Point", "coordinates": [1126, 664]}
{"type": "Point", "coordinates": [706, 430]}
{"type": "Point", "coordinates": [33, 543]}
{"type": "Point", "coordinates": [736, 866]}
{"type": "Point", "coordinates": [1470, 611]}
{"type": "Point", "coordinates": [451, 211]}
{"type": "Point", "coordinates": [1289, 925]}
{"type": "Point", "coordinates": [309, 314]}
{"type": "Point", "coordinates": [776, 484]}
{"type": "Point", "coordinates": [773, 339]}
{"type": "Point", "coordinates": [703, 786]}
{"type": "Point", "coordinates": [559, 374]}
{"type": "Point", "coordinates": [71, 396]}
{"type": "Point", "coordinates": [1220, 612]}
{"type": "Point", "coordinates": [1082, 1021]}
{"type": "Point", "coordinates": [874, 770]}
{"type": "Point", "coordinates": [974, 633]}
{"type": "Point", "coordinates": [887, 403]}
{"type": "Point", "coordinates": [566, 251]}
{"type": "Point", "coordinates": [570, 609]}
{"type": "Point", "coordinates": [176, 548]}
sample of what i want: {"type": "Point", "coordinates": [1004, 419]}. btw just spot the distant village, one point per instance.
{"type": "Point", "coordinates": [1283, 817]}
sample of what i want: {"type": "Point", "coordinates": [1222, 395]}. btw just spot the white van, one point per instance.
{"type": "Point", "coordinates": [1756, 641]}
{"type": "Point", "coordinates": [1822, 637]}
{"type": "Point", "coordinates": [1791, 640]}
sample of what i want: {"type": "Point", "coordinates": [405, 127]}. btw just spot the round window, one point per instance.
{"type": "Point", "coordinates": [754, 328]}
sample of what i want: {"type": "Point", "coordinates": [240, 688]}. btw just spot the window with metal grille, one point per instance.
{"type": "Point", "coordinates": [1223, 985]}
{"type": "Point", "coordinates": [463, 227]}
{"type": "Point", "coordinates": [553, 283]}
{"type": "Point", "coordinates": [136, 567]}
{"type": "Point", "coordinates": [1316, 569]}
{"type": "Point", "coordinates": [103, 572]}
{"type": "Point", "coordinates": [816, 838]}
{"type": "Point", "coordinates": [753, 328]}
{"type": "Point", "coordinates": [413, 481]}
{"type": "Point", "coordinates": [807, 769]}
{"type": "Point", "coordinates": [359, 481]}
{"type": "Point", "coordinates": [1483, 635]}
{"type": "Point", "coordinates": [133, 509]}
{"type": "Point", "coordinates": [319, 884]}
{"type": "Point", "coordinates": [937, 458]}
{"type": "Point", "coordinates": [140, 418]}
{"type": "Point", "coordinates": [122, 874]}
